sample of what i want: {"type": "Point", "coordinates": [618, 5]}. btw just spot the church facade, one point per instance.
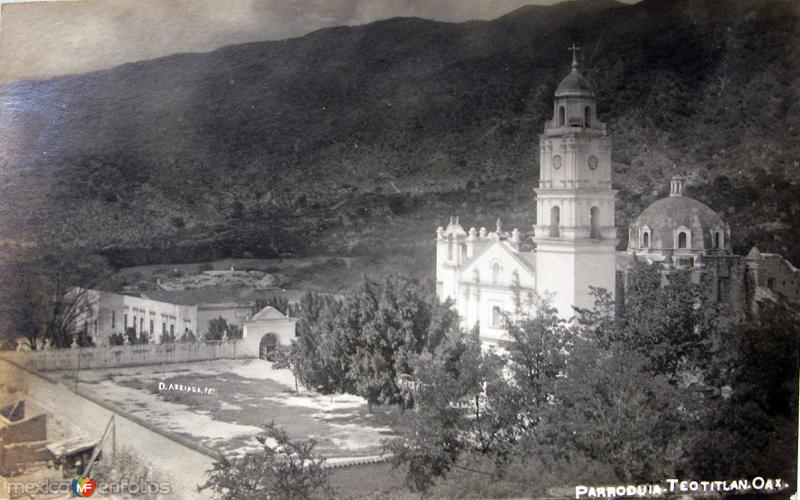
{"type": "Point", "coordinates": [487, 274]}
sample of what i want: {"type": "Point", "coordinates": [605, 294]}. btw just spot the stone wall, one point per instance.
{"type": "Point", "coordinates": [89, 358]}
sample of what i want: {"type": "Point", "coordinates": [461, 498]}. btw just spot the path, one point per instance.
{"type": "Point", "coordinates": [185, 467]}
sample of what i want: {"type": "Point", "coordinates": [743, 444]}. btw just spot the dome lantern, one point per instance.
{"type": "Point", "coordinates": [676, 186]}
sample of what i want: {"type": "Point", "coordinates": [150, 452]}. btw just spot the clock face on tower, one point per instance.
{"type": "Point", "coordinates": [593, 162]}
{"type": "Point", "coordinates": [556, 162]}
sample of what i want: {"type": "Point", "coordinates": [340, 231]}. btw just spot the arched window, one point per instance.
{"type": "Point", "coordinates": [645, 239]}
{"type": "Point", "coordinates": [594, 220]}
{"type": "Point", "coordinates": [562, 116]}
{"type": "Point", "coordinates": [496, 268]}
{"type": "Point", "coordinates": [683, 239]}
{"type": "Point", "coordinates": [587, 116]}
{"type": "Point", "coordinates": [555, 222]}
{"type": "Point", "coordinates": [717, 240]}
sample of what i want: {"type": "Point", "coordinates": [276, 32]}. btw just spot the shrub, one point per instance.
{"type": "Point", "coordinates": [188, 336]}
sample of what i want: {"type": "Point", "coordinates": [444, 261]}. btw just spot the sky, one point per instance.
{"type": "Point", "coordinates": [41, 39]}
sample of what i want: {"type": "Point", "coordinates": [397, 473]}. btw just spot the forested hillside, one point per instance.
{"type": "Point", "coordinates": [365, 139]}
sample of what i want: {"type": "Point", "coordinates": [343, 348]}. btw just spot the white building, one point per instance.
{"type": "Point", "coordinates": [106, 313]}
{"type": "Point", "coordinates": [485, 273]}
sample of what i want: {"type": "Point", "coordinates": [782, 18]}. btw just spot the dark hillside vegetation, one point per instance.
{"type": "Point", "coordinates": [364, 139]}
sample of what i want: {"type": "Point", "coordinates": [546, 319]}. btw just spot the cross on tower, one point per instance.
{"type": "Point", "coordinates": [574, 49]}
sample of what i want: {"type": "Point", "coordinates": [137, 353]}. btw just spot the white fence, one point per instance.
{"type": "Point", "coordinates": [88, 358]}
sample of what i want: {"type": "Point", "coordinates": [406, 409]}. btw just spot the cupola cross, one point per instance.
{"type": "Point", "coordinates": [574, 49]}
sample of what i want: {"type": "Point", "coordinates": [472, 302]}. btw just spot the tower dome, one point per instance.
{"type": "Point", "coordinates": [678, 224]}
{"type": "Point", "coordinates": [574, 85]}
{"type": "Point", "coordinates": [574, 106]}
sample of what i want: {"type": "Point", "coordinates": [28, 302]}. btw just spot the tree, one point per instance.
{"type": "Point", "coordinates": [219, 328]}
{"type": "Point", "coordinates": [285, 468]}
{"type": "Point", "coordinates": [538, 348]}
{"type": "Point", "coordinates": [437, 438]}
{"type": "Point", "coordinates": [466, 406]}
{"type": "Point", "coordinates": [672, 324]}
{"type": "Point", "coordinates": [360, 344]}
{"type": "Point", "coordinates": [52, 292]}
{"type": "Point", "coordinates": [608, 405]}
{"type": "Point", "coordinates": [382, 325]}
{"type": "Point", "coordinates": [288, 357]}
{"type": "Point", "coordinates": [751, 419]}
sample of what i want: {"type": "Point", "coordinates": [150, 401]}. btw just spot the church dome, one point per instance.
{"type": "Point", "coordinates": [574, 84]}
{"type": "Point", "coordinates": [678, 223]}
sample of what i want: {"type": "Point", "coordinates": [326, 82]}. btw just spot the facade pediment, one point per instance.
{"type": "Point", "coordinates": [500, 264]}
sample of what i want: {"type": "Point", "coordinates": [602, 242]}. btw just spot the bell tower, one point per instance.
{"type": "Point", "coordinates": [575, 232]}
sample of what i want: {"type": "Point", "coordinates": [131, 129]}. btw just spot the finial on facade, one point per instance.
{"type": "Point", "coordinates": [515, 235]}
{"type": "Point", "coordinates": [499, 225]}
{"type": "Point", "coordinates": [456, 220]}
{"type": "Point", "coordinates": [574, 49]}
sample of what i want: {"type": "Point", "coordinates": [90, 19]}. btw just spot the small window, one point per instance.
{"type": "Point", "coordinates": [587, 116]}
{"type": "Point", "coordinates": [645, 239]}
{"type": "Point", "coordinates": [771, 283]}
{"type": "Point", "coordinates": [496, 268]}
{"type": "Point", "coordinates": [113, 319]}
{"type": "Point", "coordinates": [172, 329]}
{"type": "Point", "coordinates": [126, 321]}
{"type": "Point", "coordinates": [152, 326]}
{"type": "Point", "coordinates": [450, 247]}
{"type": "Point", "coordinates": [682, 239]}
{"type": "Point", "coordinates": [164, 328]}
{"type": "Point", "coordinates": [497, 317]}
{"type": "Point", "coordinates": [594, 218]}
{"type": "Point", "coordinates": [555, 222]}
{"type": "Point", "coordinates": [717, 240]}
{"type": "Point", "coordinates": [562, 116]}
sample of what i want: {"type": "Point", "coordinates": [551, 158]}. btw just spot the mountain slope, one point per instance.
{"type": "Point", "coordinates": [368, 137]}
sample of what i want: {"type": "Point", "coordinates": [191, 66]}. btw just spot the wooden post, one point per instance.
{"type": "Point", "coordinates": [88, 468]}
{"type": "Point", "coordinates": [113, 439]}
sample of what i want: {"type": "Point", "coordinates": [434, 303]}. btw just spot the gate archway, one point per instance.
{"type": "Point", "coordinates": [268, 347]}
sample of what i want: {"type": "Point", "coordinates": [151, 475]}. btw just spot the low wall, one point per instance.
{"type": "Point", "coordinates": [28, 429]}
{"type": "Point", "coordinates": [88, 358]}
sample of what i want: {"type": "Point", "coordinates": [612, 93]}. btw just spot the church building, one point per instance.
{"type": "Point", "coordinates": [486, 274]}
